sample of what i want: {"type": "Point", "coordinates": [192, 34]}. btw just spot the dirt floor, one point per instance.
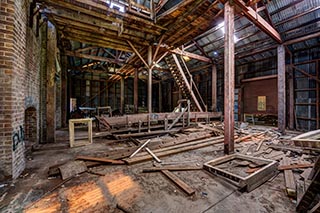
{"type": "Point", "coordinates": [125, 188]}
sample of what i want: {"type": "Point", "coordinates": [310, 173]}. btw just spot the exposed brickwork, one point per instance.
{"type": "Point", "coordinates": [19, 82]}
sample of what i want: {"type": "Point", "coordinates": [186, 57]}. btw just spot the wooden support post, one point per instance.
{"type": "Point", "coordinates": [281, 89]}
{"type": "Point", "coordinates": [64, 91]}
{"type": "Point", "coordinates": [318, 97]}
{"type": "Point", "coordinates": [122, 95]}
{"type": "Point", "coordinates": [291, 100]}
{"type": "Point", "coordinates": [214, 88]}
{"type": "Point", "coordinates": [229, 79]}
{"type": "Point", "coordinates": [160, 96]}
{"type": "Point", "coordinates": [135, 90]}
{"type": "Point", "coordinates": [51, 86]}
{"type": "Point", "coordinates": [150, 79]}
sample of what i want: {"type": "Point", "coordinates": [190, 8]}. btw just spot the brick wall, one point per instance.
{"type": "Point", "coordinates": [19, 82]}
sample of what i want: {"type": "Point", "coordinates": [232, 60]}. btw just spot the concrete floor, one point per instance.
{"type": "Point", "coordinates": [133, 190]}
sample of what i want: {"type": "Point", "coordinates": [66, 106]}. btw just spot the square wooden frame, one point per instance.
{"type": "Point", "coordinates": [72, 135]}
{"type": "Point", "coordinates": [250, 182]}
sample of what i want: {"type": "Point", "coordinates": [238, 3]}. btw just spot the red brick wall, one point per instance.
{"type": "Point", "coordinates": [19, 82]}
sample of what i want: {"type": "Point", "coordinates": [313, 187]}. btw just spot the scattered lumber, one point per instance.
{"type": "Point", "coordinates": [174, 150]}
{"type": "Point", "coordinates": [310, 194]}
{"type": "Point", "coordinates": [119, 154]}
{"type": "Point", "coordinates": [101, 160]}
{"type": "Point", "coordinates": [295, 166]}
{"type": "Point", "coordinates": [294, 148]}
{"type": "Point", "coordinates": [213, 129]}
{"type": "Point", "coordinates": [141, 147]}
{"type": "Point", "coordinates": [289, 178]}
{"type": "Point", "coordinates": [172, 168]}
{"type": "Point", "coordinates": [153, 155]}
{"type": "Point", "coordinates": [186, 188]}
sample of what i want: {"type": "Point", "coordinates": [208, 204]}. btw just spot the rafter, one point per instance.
{"type": "Point", "coordinates": [258, 20]}
{"type": "Point", "coordinates": [190, 55]}
{"type": "Point", "coordinates": [92, 57]}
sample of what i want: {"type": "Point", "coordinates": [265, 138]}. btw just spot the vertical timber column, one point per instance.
{"type": "Point", "coordinates": [135, 90]}
{"type": "Point", "coordinates": [160, 96]}
{"type": "Point", "coordinates": [51, 87]}
{"type": "Point", "coordinates": [281, 89]}
{"type": "Point", "coordinates": [64, 91]}
{"type": "Point", "coordinates": [122, 95]}
{"type": "Point", "coordinates": [229, 79]}
{"type": "Point", "coordinates": [150, 79]}
{"type": "Point", "coordinates": [214, 87]}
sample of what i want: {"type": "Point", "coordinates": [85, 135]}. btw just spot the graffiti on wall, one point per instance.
{"type": "Point", "coordinates": [17, 138]}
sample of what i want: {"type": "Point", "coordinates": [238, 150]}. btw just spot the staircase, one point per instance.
{"type": "Point", "coordinates": [185, 82]}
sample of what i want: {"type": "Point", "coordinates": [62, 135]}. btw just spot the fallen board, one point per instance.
{"type": "Point", "coordinates": [289, 178]}
{"type": "Point", "coordinates": [295, 166]}
{"type": "Point", "coordinates": [171, 168]}
{"type": "Point", "coordinates": [102, 160]}
{"type": "Point", "coordinates": [186, 188]}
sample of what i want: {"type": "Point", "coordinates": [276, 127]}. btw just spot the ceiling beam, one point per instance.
{"type": "Point", "coordinates": [92, 57]}
{"type": "Point", "coordinates": [190, 55]}
{"type": "Point", "coordinates": [258, 20]}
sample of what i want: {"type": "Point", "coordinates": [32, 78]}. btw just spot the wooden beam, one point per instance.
{"type": "Point", "coordinates": [135, 89]}
{"type": "Point", "coordinates": [79, 50]}
{"type": "Point", "coordinates": [306, 73]}
{"type": "Point", "coordinates": [258, 20]}
{"type": "Point", "coordinates": [191, 55]}
{"type": "Point", "coordinates": [187, 189]}
{"type": "Point", "coordinates": [122, 95]}
{"type": "Point", "coordinates": [150, 79]}
{"type": "Point", "coordinates": [229, 71]}
{"type": "Point", "coordinates": [214, 87]}
{"type": "Point", "coordinates": [281, 89]}
{"type": "Point", "coordinates": [259, 78]}
{"type": "Point", "coordinates": [138, 54]}
{"type": "Point", "coordinates": [93, 57]}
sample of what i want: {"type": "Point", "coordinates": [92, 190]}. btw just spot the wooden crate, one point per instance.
{"type": "Point", "coordinates": [72, 140]}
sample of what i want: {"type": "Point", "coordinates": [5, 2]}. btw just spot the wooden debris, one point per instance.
{"type": "Point", "coordinates": [153, 155]}
{"type": "Point", "coordinates": [187, 189]}
{"type": "Point", "coordinates": [172, 168]}
{"type": "Point", "coordinates": [295, 166]}
{"type": "Point", "coordinates": [306, 173]}
{"type": "Point", "coordinates": [101, 160]}
{"type": "Point", "coordinates": [252, 170]}
{"type": "Point", "coordinates": [173, 150]}
{"type": "Point", "coordinates": [289, 178]}
{"type": "Point", "coordinates": [312, 191]}
{"type": "Point", "coordinates": [141, 147]}
{"type": "Point", "coordinates": [72, 168]}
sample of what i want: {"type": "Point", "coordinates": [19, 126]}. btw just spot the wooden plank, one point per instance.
{"type": "Point", "coordinates": [289, 178]}
{"type": "Point", "coordinates": [153, 155]}
{"type": "Point", "coordinates": [295, 166]}
{"type": "Point", "coordinates": [92, 57]}
{"type": "Point", "coordinates": [229, 73]}
{"type": "Point", "coordinates": [172, 168]}
{"type": "Point", "coordinates": [186, 188]}
{"type": "Point", "coordinates": [103, 160]}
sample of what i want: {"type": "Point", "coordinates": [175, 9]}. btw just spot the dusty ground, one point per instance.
{"type": "Point", "coordinates": [129, 188]}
